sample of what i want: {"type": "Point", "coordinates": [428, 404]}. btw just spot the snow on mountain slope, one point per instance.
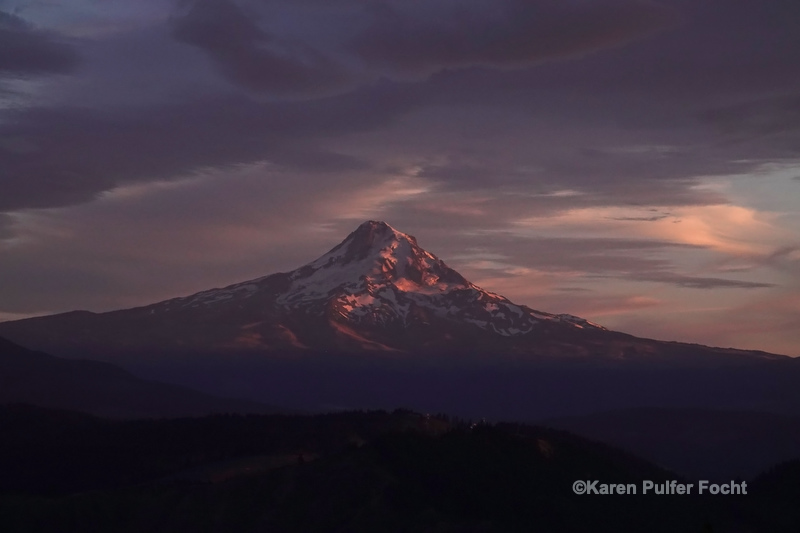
{"type": "Point", "coordinates": [379, 276]}
{"type": "Point", "coordinates": [378, 290]}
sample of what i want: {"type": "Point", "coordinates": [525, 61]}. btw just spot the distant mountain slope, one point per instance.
{"type": "Point", "coordinates": [377, 291]}
{"type": "Point", "coordinates": [697, 443]}
{"type": "Point", "coordinates": [99, 388]}
{"type": "Point", "coordinates": [360, 472]}
{"type": "Point", "coordinates": [379, 322]}
{"type": "Point", "coordinates": [776, 493]}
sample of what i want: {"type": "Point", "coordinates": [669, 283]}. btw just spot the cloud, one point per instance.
{"type": "Point", "coordinates": [416, 38]}
{"type": "Point", "coordinates": [253, 57]}
{"type": "Point", "coordinates": [146, 242]}
{"type": "Point", "coordinates": [655, 218]}
{"type": "Point", "coordinates": [768, 320]}
{"type": "Point", "coordinates": [606, 306]}
{"type": "Point", "coordinates": [770, 116]}
{"type": "Point", "coordinates": [253, 44]}
{"type": "Point", "coordinates": [541, 147]}
{"type": "Point", "coordinates": [6, 228]}
{"type": "Point", "coordinates": [628, 260]}
{"type": "Point", "coordinates": [785, 259]}
{"type": "Point", "coordinates": [26, 50]}
{"type": "Point", "coordinates": [697, 282]}
{"type": "Point", "coordinates": [72, 154]}
{"type": "Point", "coordinates": [731, 230]}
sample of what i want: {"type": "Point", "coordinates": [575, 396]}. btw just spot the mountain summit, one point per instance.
{"type": "Point", "coordinates": [379, 276]}
{"type": "Point", "coordinates": [376, 291]}
{"type": "Point", "coordinates": [368, 270]}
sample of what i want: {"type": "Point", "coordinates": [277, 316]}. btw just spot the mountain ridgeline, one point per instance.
{"type": "Point", "coordinates": [378, 322]}
{"type": "Point", "coordinates": [377, 291]}
{"type": "Point", "coordinates": [353, 471]}
{"type": "Point", "coordinates": [101, 388]}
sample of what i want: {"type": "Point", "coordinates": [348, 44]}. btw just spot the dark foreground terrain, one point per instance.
{"type": "Point", "coordinates": [697, 443]}
{"type": "Point", "coordinates": [102, 389]}
{"type": "Point", "coordinates": [347, 472]}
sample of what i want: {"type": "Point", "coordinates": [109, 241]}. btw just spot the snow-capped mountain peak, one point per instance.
{"type": "Point", "coordinates": [372, 258]}
{"type": "Point", "coordinates": [369, 238]}
{"type": "Point", "coordinates": [381, 276]}
{"type": "Point", "coordinates": [377, 291]}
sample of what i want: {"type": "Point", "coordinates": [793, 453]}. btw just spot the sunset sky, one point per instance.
{"type": "Point", "coordinates": [633, 162]}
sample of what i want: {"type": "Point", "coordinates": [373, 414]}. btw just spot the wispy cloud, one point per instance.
{"type": "Point", "coordinates": [698, 282]}
{"type": "Point", "coordinates": [27, 50]}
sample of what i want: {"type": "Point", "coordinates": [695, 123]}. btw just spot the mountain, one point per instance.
{"type": "Point", "coordinates": [377, 291]}
{"type": "Point", "coordinates": [99, 388]}
{"type": "Point", "coordinates": [695, 443]}
{"type": "Point", "coordinates": [379, 322]}
{"type": "Point", "coordinates": [354, 472]}
{"type": "Point", "coordinates": [777, 492]}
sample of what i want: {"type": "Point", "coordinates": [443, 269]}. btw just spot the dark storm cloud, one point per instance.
{"type": "Point", "coordinates": [721, 54]}
{"type": "Point", "coordinates": [402, 38]}
{"type": "Point", "coordinates": [253, 57]}
{"type": "Point", "coordinates": [26, 50]}
{"type": "Point", "coordinates": [722, 51]}
{"type": "Point", "coordinates": [417, 37]}
{"type": "Point", "coordinates": [766, 117]}
{"type": "Point", "coordinates": [73, 154]}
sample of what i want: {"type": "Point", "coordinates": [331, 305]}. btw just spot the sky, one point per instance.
{"type": "Point", "coordinates": [633, 162]}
